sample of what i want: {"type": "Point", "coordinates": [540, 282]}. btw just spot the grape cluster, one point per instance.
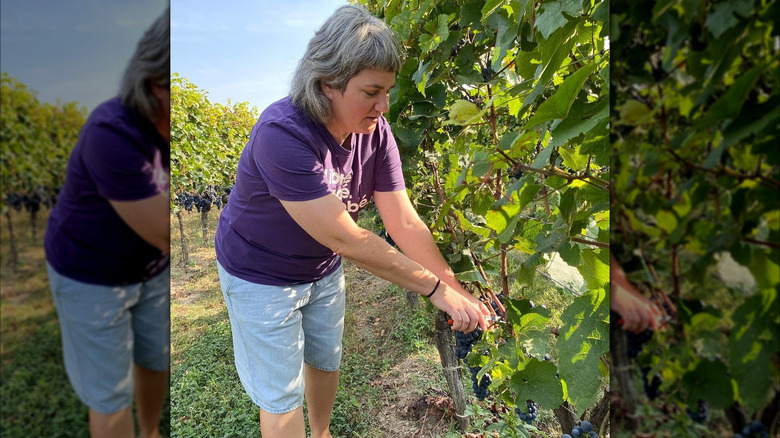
{"type": "Point", "coordinates": [636, 341]}
{"type": "Point", "coordinates": [753, 430]}
{"type": "Point", "coordinates": [652, 388]}
{"type": "Point", "coordinates": [585, 429]}
{"type": "Point", "coordinates": [32, 201]}
{"type": "Point", "coordinates": [494, 305]}
{"type": "Point", "coordinates": [530, 416]}
{"type": "Point", "coordinates": [702, 411]}
{"type": "Point", "coordinates": [203, 201]}
{"type": "Point", "coordinates": [480, 387]}
{"type": "Point", "coordinates": [465, 341]}
{"type": "Point", "coordinates": [15, 201]}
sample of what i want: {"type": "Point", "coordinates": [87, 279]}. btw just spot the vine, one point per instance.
{"type": "Point", "coordinates": [501, 112]}
{"type": "Point", "coordinates": [209, 138]}
{"type": "Point", "coordinates": [37, 139]}
{"type": "Point", "coordinates": [695, 207]}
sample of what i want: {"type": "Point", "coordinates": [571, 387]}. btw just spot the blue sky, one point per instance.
{"type": "Point", "coordinates": [72, 50]}
{"type": "Point", "coordinates": [243, 50]}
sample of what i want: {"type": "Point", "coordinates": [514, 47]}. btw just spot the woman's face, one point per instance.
{"type": "Point", "coordinates": [358, 108]}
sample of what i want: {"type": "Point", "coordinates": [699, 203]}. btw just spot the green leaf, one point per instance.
{"type": "Point", "coordinates": [593, 270]}
{"type": "Point", "coordinates": [709, 382]}
{"type": "Point", "coordinates": [503, 221]}
{"type": "Point", "coordinates": [583, 340]}
{"type": "Point", "coordinates": [527, 193]}
{"type": "Point", "coordinates": [570, 253]}
{"type": "Point", "coordinates": [599, 148]}
{"type": "Point", "coordinates": [507, 32]}
{"type": "Point", "coordinates": [633, 112]}
{"type": "Point", "coordinates": [572, 158]}
{"type": "Point", "coordinates": [439, 31]}
{"type": "Point", "coordinates": [536, 342]}
{"type": "Point", "coordinates": [730, 104]}
{"type": "Point", "coordinates": [553, 52]}
{"type": "Point", "coordinates": [489, 8]}
{"type": "Point", "coordinates": [666, 220]}
{"type": "Point", "coordinates": [713, 159]}
{"type": "Point", "coordinates": [559, 104]}
{"type": "Point", "coordinates": [463, 112]}
{"type": "Point", "coordinates": [420, 77]}
{"type": "Point", "coordinates": [722, 18]}
{"type": "Point", "coordinates": [576, 123]}
{"type": "Point", "coordinates": [568, 204]}
{"type": "Point", "coordinates": [549, 243]}
{"type": "Point", "coordinates": [765, 270]}
{"type": "Point", "coordinates": [481, 164]}
{"type": "Point", "coordinates": [542, 160]}
{"type": "Point", "coordinates": [470, 13]}
{"type": "Point", "coordinates": [537, 382]}
{"type": "Point", "coordinates": [552, 18]}
{"type": "Point", "coordinates": [481, 201]}
{"type": "Point", "coordinates": [750, 123]}
{"type": "Point", "coordinates": [755, 338]}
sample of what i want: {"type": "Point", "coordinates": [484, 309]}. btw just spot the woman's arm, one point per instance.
{"type": "Point", "coordinates": [149, 218]}
{"type": "Point", "coordinates": [412, 236]}
{"type": "Point", "coordinates": [327, 221]}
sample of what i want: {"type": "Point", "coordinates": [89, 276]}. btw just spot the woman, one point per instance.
{"type": "Point", "coordinates": [107, 245]}
{"type": "Point", "coordinates": [313, 160]}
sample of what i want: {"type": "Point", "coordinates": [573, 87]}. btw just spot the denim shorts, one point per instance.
{"type": "Point", "coordinates": [278, 329]}
{"type": "Point", "coordinates": [107, 329]}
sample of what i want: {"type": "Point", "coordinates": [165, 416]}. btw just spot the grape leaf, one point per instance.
{"type": "Point", "coordinates": [552, 18]}
{"type": "Point", "coordinates": [709, 382]}
{"type": "Point", "coordinates": [754, 339]}
{"type": "Point", "coordinates": [559, 104]}
{"type": "Point", "coordinates": [583, 339]}
{"type": "Point", "coordinates": [537, 382]}
{"type": "Point", "coordinates": [594, 271]}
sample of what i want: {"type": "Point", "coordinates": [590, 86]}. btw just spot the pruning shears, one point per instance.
{"type": "Point", "coordinates": [661, 319]}
{"type": "Point", "coordinates": [489, 318]}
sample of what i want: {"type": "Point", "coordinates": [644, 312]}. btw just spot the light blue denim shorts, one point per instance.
{"type": "Point", "coordinates": [107, 329]}
{"type": "Point", "coordinates": [278, 329]}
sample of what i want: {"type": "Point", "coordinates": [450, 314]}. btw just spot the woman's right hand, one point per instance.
{"type": "Point", "coordinates": [465, 310]}
{"type": "Point", "coordinates": [638, 313]}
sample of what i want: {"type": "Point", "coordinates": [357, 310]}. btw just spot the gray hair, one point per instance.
{"type": "Point", "coordinates": [151, 63]}
{"type": "Point", "coordinates": [350, 41]}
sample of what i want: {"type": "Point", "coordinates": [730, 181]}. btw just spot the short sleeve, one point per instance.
{"type": "Point", "coordinates": [121, 166]}
{"type": "Point", "coordinates": [389, 172]}
{"type": "Point", "coordinates": [291, 169]}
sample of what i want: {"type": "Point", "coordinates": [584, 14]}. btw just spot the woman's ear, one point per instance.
{"type": "Point", "coordinates": [327, 90]}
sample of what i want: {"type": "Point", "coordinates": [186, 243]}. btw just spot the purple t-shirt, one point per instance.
{"type": "Point", "coordinates": [291, 158]}
{"type": "Point", "coordinates": [118, 156]}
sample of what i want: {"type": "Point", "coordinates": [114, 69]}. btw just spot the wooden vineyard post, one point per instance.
{"type": "Point", "coordinates": [12, 241]}
{"type": "Point", "coordinates": [621, 373]}
{"type": "Point", "coordinates": [204, 222]}
{"type": "Point", "coordinates": [184, 252]}
{"type": "Point", "coordinates": [34, 223]}
{"type": "Point", "coordinates": [451, 368]}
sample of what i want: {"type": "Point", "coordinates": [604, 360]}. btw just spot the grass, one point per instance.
{"type": "Point", "coordinates": [388, 368]}
{"type": "Point", "coordinates": [36, 399]}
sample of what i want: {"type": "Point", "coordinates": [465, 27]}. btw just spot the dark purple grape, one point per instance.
{"type": "Point", "coordinates": [586, 426]}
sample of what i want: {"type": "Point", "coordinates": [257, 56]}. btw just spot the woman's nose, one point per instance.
{"type": "Point", "coordinates": [383, 105]}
